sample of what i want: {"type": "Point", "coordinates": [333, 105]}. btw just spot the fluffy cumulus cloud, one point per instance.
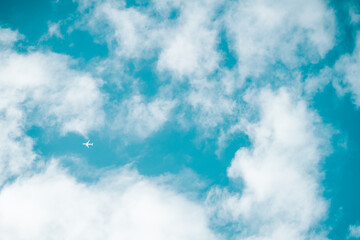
{"type": "Point", "coordinates": [131, 30]}
{"type": "Point", "coordinates": [184, 46]}
{"type": "Point", "coordinates": [8, 37]}
{"type": "Point", "coordinates": [183, 41]}
{"type": "Point", "coordinates": [16, 149]}
{"type": "Point", "coordinates": [45, 82]}
{"type": "Point", "coordinates": [121, 205]}
{"type": "Point", "coordinates": [275, 187]}
{"type": "Point", "coordinates": [261, 33]}
{"type": "Point", "coordinates": [281, 198]}
{"type": "Point", "coordinates": [190, 47]}
{"type": "Point", "coordinates": [264, 33]}
{"type": "Point", "coordinates": [42, 89]}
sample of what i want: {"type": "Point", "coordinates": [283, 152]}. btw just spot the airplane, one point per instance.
{"type": "Point", "coordinates": [87, 144]}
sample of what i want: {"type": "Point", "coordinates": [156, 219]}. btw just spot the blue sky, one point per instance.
{"type": "Point", "coordinates": [210, 119]}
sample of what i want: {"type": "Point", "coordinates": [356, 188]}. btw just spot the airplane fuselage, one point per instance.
{"type": "Point", "coordinates": [87, 144]}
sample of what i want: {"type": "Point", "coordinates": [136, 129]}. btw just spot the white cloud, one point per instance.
{"type": "Point", "coordinates": [347, 68]}
{"type": "Point", "coordinates": [121, 205]}
{"type": "Point", "coordinates": [190, 47]}
{"type": "Point", "coordinates": [45, 82]}
{"type": "Point", "coordinates": [133, 31]}
{"type": "Point", "coordinates": [16, 148]}
{"type": "Point", "coordinates": [282, 197]}
{"type": "Point", "coordinates": [54, 30]}
{"type": "Point", "coordinates": [262, 34]}
{"type": "Point", "coordinates": [140, 118]}
{"type": "Point", "coordinates": [354, 14]}
{"type": "Point", "coordinates": [185, 46]}
{"type": "Point", "coordinates": [210, 103]}
{"type": "Point", "coordinates": [344, 76]}
{"type": "Point", "coordinates": [291, 32]}
{"type": "Point", "coordinates": [8, 37]}
{"type": "Point", "coordinates": [42, 89]}
{"type": "Point", "coordinates": [354, 231]}
{"type": "Point", "coordinates": [316, 83]}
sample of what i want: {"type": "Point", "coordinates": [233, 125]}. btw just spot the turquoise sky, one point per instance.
{"type": "Point", "coordinates": [241, 117]}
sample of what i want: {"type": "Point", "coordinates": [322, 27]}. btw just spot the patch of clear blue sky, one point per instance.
{"type": "Point", "coordinates": [342, 167]}
{"type": "Point", "coordinates": [172, 148]}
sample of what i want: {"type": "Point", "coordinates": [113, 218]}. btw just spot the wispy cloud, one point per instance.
{"type": "Point", "coordinates": [140, 119]}
{"type": "Point", "coordinates": [354, 231]}
{"type": "Point", "coordinates": [348, 69]}
{"type": "Point", "coordinates": [281, 198]}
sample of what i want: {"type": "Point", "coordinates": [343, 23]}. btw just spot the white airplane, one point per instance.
{"type": "Point", "coordinates": [87, 144]}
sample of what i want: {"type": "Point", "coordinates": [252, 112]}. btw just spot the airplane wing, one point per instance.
{"type": "Point", "coordinates": [87, 143]}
